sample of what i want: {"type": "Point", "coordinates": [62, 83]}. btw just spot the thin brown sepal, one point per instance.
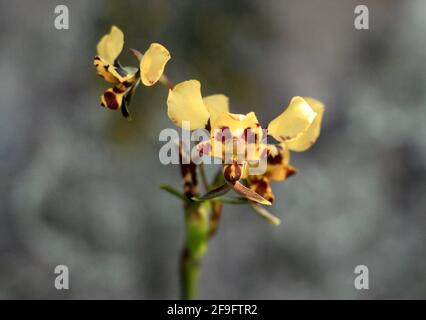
{"type": "Point", "coordinates": [250, 194]}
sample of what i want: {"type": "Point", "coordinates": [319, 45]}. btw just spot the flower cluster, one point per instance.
{"type": "Point", "coordinates": [238, 140]}
{"type": "Point", "coordinates": [295, 129]}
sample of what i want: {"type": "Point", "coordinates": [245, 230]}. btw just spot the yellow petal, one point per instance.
{"type": "Point", "coordinates": [153, 62]}
{"type": "Point", "coordinates": [312, 134]}
{"type": "Point", "coordinates": [216, 104]}
{"type": "Point", "coordinates": [236, 123]}
{"type": "Point", "coordinates": [185, 103]}
{"type": "Point", "coordinates": [111, 44]}
{"type": "Point", "coordinates": [293, 122]}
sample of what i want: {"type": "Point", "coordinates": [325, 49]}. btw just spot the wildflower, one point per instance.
{"type": "Point", "coordinates": [296, 129]}
{"type": "Point", "coordinates": [126, 79]}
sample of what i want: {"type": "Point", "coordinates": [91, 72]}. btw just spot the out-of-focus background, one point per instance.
{"type": "Point", "coordinates": [79, 185]}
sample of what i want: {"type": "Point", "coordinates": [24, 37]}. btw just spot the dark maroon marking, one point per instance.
{"type": "Point", "coordinates": [126, 84]}
{"type": "Point", "coordinates": [97, 58]}
{"type": "Point", "coordinates": [278, 159]}
{"type": "Point", "coordinates": [232, 173]}
{"type": "Point", "coordinates": [227, 173]}
{"type": "Point", "coordinates": [97, 65]}
{"type": "Point", "coordinates": [116, 89]}
{"type": "Point", "coordinates": [111, 100]}
{"type": "Point", "coordinates": [262, 187]}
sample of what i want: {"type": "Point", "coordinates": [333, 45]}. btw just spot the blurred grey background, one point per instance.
{"type": "Point", "coordinates": [79, 185]}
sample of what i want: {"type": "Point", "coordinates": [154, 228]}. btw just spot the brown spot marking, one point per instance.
{"type": "Point", "coordinates": [126, 84]}
{"type": "Point", "coordinates": [111, 100]}
{"type": "Point", "coordinates": [232, 172]}
{"type": "Point", "coordinates": [278, 159]}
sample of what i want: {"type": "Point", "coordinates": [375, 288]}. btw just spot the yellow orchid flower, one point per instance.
{"type": "Point", "coordinates": [126, 79]}
{"type": "Point", "coordinates": [297, 128]}
{"type": "Point", "coordinates": [186, 104]}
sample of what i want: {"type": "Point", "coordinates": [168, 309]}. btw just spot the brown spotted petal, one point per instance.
{"type": "Point", "coordinates": [278, 168]}
{"type": "Point", "coordinates": [261, 185]}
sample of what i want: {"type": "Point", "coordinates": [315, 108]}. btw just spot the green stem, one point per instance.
{"type": "Point", "coordinates": [190, 269]}
{"type": "Point", "coordinates": [197, 236]}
